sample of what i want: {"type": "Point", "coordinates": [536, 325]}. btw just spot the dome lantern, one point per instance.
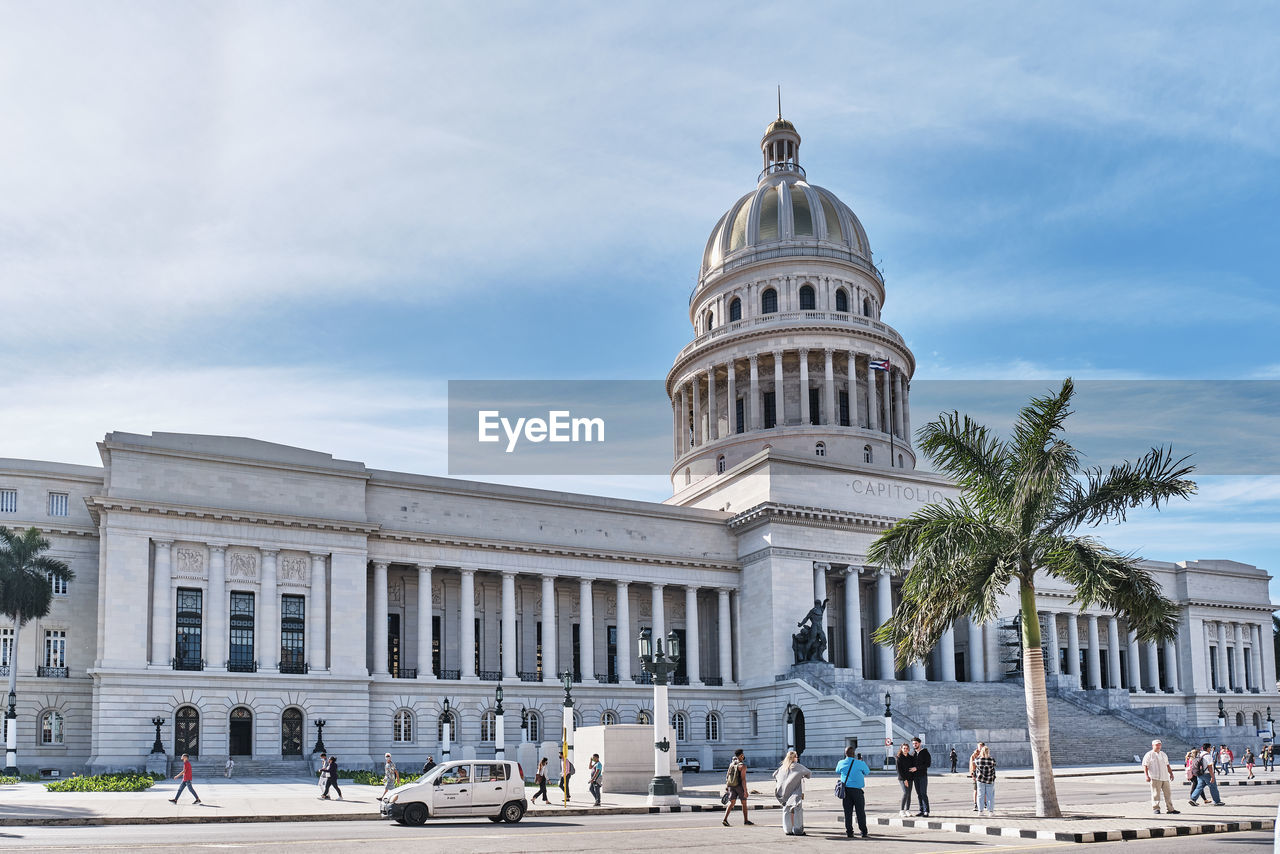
{"type": "Point", "coordinates": [780, 146]}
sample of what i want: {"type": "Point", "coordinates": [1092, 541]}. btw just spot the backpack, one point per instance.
{"type": "Point", "coordinates": [733, 777]}
{"type": "Point", "coordinates": [572, 770]}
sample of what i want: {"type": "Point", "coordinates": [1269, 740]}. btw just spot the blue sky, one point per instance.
{"type": "Point", "coordinates": [296, 221]}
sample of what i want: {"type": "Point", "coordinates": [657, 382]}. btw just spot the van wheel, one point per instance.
{"type": "Point", "coordinates": [495, 818]}
{"type": "Point", "coordinates": [513, 812]}
{"type": "Point", "coordinates": [415, 814]}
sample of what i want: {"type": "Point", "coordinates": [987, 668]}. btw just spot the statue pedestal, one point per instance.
{"type": "Point", "coordinates": [813, 671]}
{"type": "Point", "coordinates": [158, 763]}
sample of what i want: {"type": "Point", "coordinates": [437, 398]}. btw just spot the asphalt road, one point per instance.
{"type": "Point", "coordinates": [667, 832]}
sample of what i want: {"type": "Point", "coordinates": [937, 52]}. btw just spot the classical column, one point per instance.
{"type": "Point", "coordinates": [624, 632]}
{"type": "Point", "coordinates": [947, 654]}
{"type": "Point", "coordinates": [675, 423]}
{"type": "Point", "coordinates": [820, 594]}
{"type": "Point", "coordinates": [1095, 662]}
{"type": "Point", "coordinates": [779, 392]}
{"type": "Point", "coordinates": [872, 408]}
{"type": "Point", "coordinates": [1239, 656]}
{"type": "Point", "coordinates": [829, 389]}
{"type": "Point", "coordinates": [1171, 679]}
{"type": "Point", "coordinates": [426, 625]}
{"type": "Point", "coordinates": [162, 628]}
{"type": "Point", "coordinates": [1073, 646]}
{"type": "Point", "coordinates": [1135, 663]}
{"type": "Point", "coordinates": [1153, 667]}
{"type": "Point", "coordinates": [906, 412]}
{"type": "Point", "coordinates": [268, 615]}
{"type": "Point", "coordinates": [682, 422]}
{"type": "Point", "coordinates": [991, 651]}
{"type": "Point", "coordinates": [318, 614]}
{"type": "Point", "coordinates": [693, 660]}
{"type": "Point", "coordinates": [916, 672]}
{"type": "Point", "coordinates": [731, 399]}
{"type": "Point", "coordinates": [853, 620]}
{"type": "Point", "coordinates": [725, 636]}
{"type": "Point", "coordinates": [804, 387]}
{"type": "Point", "coordinates": [586, 631]}
{"type": "Point", "coordinates": [713, 418]}
{"type": "Point", "coordinates": [884, 610]}
{"type": "Point", "coordinates": [853, 389]}
{"type": "Point", "coordinates": [753, 405]}
{"type": "Point", "coordinates": [510, 663]}
{"type": "Point", "coordinates": [659, 627]}
{"type": "Point", "coordinates": [380, 632]}
{"type": "Point", "coordinates": [1113, 652]}
{"type": "Point", "coordinates": [897, 402]}
{"type": "Point", "coordinates": [886, 401]}
{"type": "Point", "coordinates": [1051, 633]}
{"type": "Point", "coordinates": [699, 434]}
{"type": "Point", "coordinates": [977, 667]}
{"type": "Point", "coordinates": [550, 638]}
{"type": "Point", "coordinates": [467, 619]}
{"type": "Point", "coordinates": [216, 647]}
{"type": "Point", "coordinates": [1255, 635]}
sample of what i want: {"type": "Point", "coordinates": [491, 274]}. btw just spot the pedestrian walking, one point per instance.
{"type": "Point", "coordinates": [735, 787]}
{"type": "Point", "coordinates": [973, 771]}
{"type": "Point", "coordinates": [322, 771]}
{"type": "Point", "coordinates": [1206, 777]}
{"type": "Point", "coordinates": [921, 779]}
{"type": "Point", "coordinates": [566, 773]}
{"type": "Point", "coordinates": [226, 770]}
{"type": "Point", "coordinates": [985, 772]}
{"type": "Point", "coordinates": [1159, 773]}
{"type": "Point", "coordinates": [1225, 756]}
{"type": "Point", "coordinates": [185, 775]}
{"type": "Point", "coordinates": [390, 776]}
{"type": "Point", "coordinates": [852, 772]}
{"type": "Point", "coordinates": [429, 764]}
{"type": "Point", "coordinates": [331, 779]}
{"type": "Point", "coordinates": [1248, 760]}
{"type": "Point", "coordinates": [789, 790]}
{"type": "Point", "coordinates": [953, 758]}
{"type": "Point", "coordinates": [1268, 757]}
{"type": "Point", "coordinates": [595, 769]}
{"type": "Point", "coordinates": [905, 764]}
{"type": "Point", "coordinates": [540, 777]}
{"type": "Point", "coordinates": [1189, 762]}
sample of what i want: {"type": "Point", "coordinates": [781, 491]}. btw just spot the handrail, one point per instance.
{"type": "Point", "coordinates": [782, 317]}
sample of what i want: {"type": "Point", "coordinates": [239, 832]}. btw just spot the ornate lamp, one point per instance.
{"type": "Point", "coordinates": [158, 747]}
{"type": "Point", "coordinates": [662, 788]}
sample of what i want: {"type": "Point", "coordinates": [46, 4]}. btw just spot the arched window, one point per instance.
{"type": "Point", "coordinates": [899, 460]}
{"type": "Point", "coordinates": [688, 476]}
{"type": "Point", "coordinates": [720, 464]}
{"type": "Point", "coordinates": [820, 449]}
{"type": "Point", "coordinates": [680, 726]}
{"type": "Point", "coordinates": [186, 731]}
{"type": "Point", "coordinates": [735, 309]}
{"type": "Point", "coordinates": [707, 321]}
{"type": "Point", "coordinates": [488, 726]}
{"type": "Point", "coordinates": [866, 453]}
{"type": "Point", "coordinates": [807, 301]}
{"type": "Point", "coordinates": [452, 720]}
{"type": "Point", "coordinates": [402, 726]}
{"type": "Point", "coordinates": [51, 727]}
{"type": "Point", "coordinates": [644, 717]}
{"type": "Point", "coordinates": [291, 732]}
{"type": "Point", "coordinates": [866, 306]}
{"type": "Point", "coordinates": [713, 726]}
{"type": "Point", "coordinates": [842, 300]}
{"type": "Point", "coordinates": [608, 718]}
{"type": "Point", "coordinates": [1239, 718]}
{"type": "Point", "coordinates": [240, 732]}
{"type": "Point", "coordinates": [532, 725]}
{"type": "Point", "coordinates": [769, 301]}
{"type": "Point", "coordinates": [1257, 721]}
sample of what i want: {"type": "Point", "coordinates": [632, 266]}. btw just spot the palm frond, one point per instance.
{"type": "Point", "coordinates": [967, 451]}
{"type": "Point", "coordinates": [1103, 577]}
{"type": "Point", "coordinates": [1108, 496]}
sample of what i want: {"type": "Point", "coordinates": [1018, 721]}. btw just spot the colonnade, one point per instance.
{"type": "Point", "coordinates": [1141, 670]}
{"type": "Point", "coordinates": [1229, 668]}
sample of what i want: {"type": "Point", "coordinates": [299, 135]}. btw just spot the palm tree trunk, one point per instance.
{"type": "Point", "coordinates": [1037, 705]}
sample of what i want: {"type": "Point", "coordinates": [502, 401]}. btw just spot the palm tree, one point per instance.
{"type": "Point", "coordinates": [1021, 501]}
{"type": "Point", "coordinates": [25, 592]}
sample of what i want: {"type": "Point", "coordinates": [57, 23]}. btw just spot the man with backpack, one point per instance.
{"type": "Point", "coordinates": [1206, 777]}
{"type": "Point", "coordinates": [735, 787]}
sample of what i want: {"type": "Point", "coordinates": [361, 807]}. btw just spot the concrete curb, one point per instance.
{"type": "Point", "coordinates": [1081, 836]}
{"type": "Point", "coordinates": [1222, 782]}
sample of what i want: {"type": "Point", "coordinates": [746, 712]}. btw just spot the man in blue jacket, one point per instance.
{"type": "Point", "coordinates": [853, 773]}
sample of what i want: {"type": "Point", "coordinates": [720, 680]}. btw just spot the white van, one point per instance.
{"type": "Point", "coordinates": [493, 788]}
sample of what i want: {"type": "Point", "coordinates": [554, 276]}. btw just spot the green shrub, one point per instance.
{"type": "Point", "coordinates": [105, 783]}
{"type": "Point", "coordinates": [371, 778]}
{"type": "Point", "coordinates": [31, 778]}
{"type": "Point", "coordinates": [8, 781]}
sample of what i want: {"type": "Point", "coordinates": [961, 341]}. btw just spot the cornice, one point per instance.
{"type": "Point", "coordinates": [811, 517]}
{"type": "Point", "coordinates": [1230, 606]}
{"type": "Point", "coordinates": [542, 549]}
{"type": "Point", "coordinates": [98, 504]}
{"type": "Point", "coordinates": [63, 529]}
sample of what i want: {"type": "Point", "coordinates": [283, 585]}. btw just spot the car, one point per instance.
{"type": "Point", "coordinates": [689, 764]}
{"type": "Point", "coordinates": [492, 788]}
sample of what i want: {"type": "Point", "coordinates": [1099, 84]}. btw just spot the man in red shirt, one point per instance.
{"type": "Point", "coordinates": [186, 780]}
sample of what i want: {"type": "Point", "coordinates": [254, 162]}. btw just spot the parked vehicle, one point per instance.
{"type": "Point", "coordinates": [689, 764]}
{"type": "Point", "coordinates": [493, 788]}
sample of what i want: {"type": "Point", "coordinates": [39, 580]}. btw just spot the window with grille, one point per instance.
{"type": "Point", "coordinates": [6, 646]}
{"type": "Point", "coordinates": [488, 726]}
{"type": "Point", "coordinates": [533, 725]}
{"type": "Point", "coordinates": [293, 623]}
{"type": "Point", "coordinates": [57, 503]}
{"type": "Point", "coordinates": [291, 732]}
{"type": "Point", "coordinates": [866, 453]}
{"type": "Point", "coordinates": [241, 632]}
{"type": "Point", "coordinates": [843, 404]}
{"type": "Point", "coordinates": [769, 302]}
{"type": "Point", "coordinates": [643, 717]}
{"type": "Point", "coordinates": [842, 300]}
{"type": "Point", "coordinates": [190, 622]}
{"type": "Point", "coordinates": [55, 648]}
{"type": "Point", "coordinates": [815, 406]}
{"type": "Point", "coordinates": [739, 416]}
{"type": "Point", "coordinates": [680, 726]}
{"type": "Point", "coordinates": [51, 728]}
{"type": "Point", "coordinates": [735, 310]}
{"type": "Point", "coordinates": [770, 414]}
{"type": "Point", "coordinates": [808, 300]}
{"type": "Point", "coordinates": [820, 449]}
{"type": "Point", "coordinates": [713, 726]}
{"type": "Point", "coordinates": [720, 464]}
{"type": "Point", "coordinates": [8, 501]}
{"type": "Point", "coordinates": [57, 585]}
{"type": "Point", "coordinates": [402, 726]}
{"type": "Point", "coordinates": [609, 718]}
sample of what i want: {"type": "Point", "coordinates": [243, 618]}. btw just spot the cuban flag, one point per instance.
{"type": "Point", "coordinates": [879, 364]}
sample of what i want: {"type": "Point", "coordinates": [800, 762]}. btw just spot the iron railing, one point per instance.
{"type": "Point", "coordinates": [294, 667]}
{"type": "Point", "coordinates": [54, 672]}
{"type": "Point", "coordinates": [187, 663]}
{"type": "Point", "coordinates": [405, 673]}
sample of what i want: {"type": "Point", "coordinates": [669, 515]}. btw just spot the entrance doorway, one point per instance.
{"type": "Point", "coordinates": [241, 732]}
{"type": "Point", "coordinates": [186, 732]}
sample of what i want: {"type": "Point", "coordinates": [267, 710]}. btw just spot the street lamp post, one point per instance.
{"type": "Point", "coordinates": [524, 725]}
{"type": "Point", "coordinates": [1222, 715]}
{"type": "Point", "coordinates": [662, 788]}
{"type": "Point", "coordinates": [888, 731]}
{"type": "Point", "coordinates": [158, 747]}
{"type": "Point", "coordinates": [566, 729]}
{"type": "Point", "coordinates": [445, 732]}
{"type": "Point", "coordinates": [319, 748]}
{"type": "Point", "coordinates": [499, 734]}
{"type": "Point", "coordinates": [1271, 725]}
{"type": "Point", "coordinates": [11, 732]}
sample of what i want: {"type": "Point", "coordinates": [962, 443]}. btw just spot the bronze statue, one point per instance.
{"type": "Point", "coordinates": [810, 643]}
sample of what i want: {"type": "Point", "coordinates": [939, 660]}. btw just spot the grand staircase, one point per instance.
{"type": "Point", "coordinates": [246, 768]}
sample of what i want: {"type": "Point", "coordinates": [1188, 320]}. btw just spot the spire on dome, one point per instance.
{"type": "Point", "coordinates": [780, 145]}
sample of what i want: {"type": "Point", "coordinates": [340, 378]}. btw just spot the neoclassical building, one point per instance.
{"type": "Point", "coordinates": [244, 591]}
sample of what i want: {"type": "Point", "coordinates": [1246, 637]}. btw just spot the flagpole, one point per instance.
{"type": "Point", "coordinates": [888, 380]}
